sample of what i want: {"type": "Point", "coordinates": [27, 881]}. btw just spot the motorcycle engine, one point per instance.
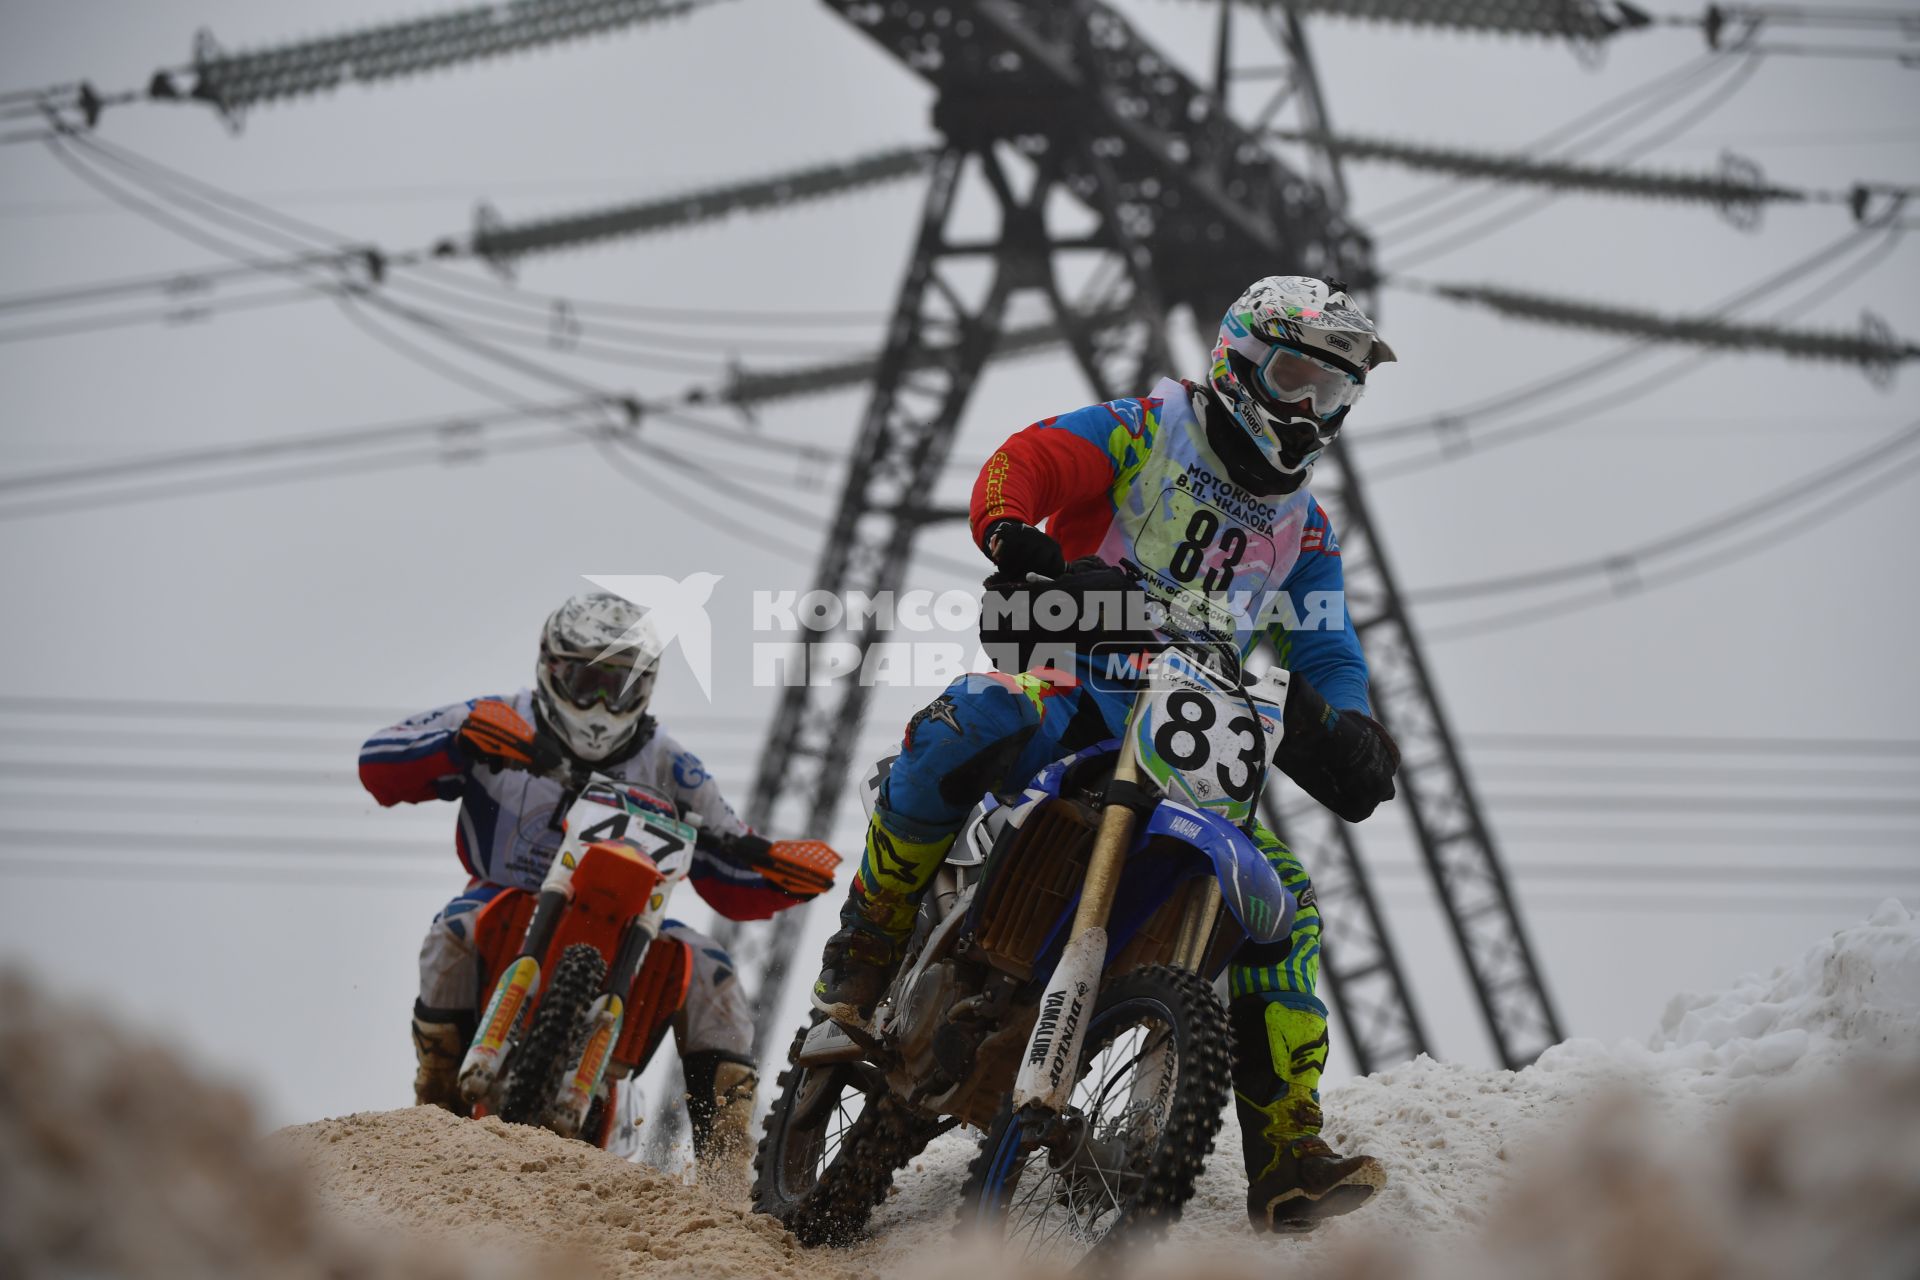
{"type": "Point", "coordinates": [938, 989]}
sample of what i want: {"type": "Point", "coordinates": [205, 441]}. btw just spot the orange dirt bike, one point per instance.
{"type": "Point", "coordinates": [581, 977]}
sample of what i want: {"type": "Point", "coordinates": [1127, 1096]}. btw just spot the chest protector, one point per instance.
{"type": "Point", "coordinates": [1210, 553]}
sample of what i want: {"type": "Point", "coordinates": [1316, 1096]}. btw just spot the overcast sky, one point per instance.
{"type": "Point", "coordinates": [270, 919]}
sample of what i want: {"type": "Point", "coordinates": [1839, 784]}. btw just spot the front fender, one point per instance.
{"type": "Point", "coordinates": [1249, 885]}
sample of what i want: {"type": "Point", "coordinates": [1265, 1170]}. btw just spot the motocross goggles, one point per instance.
{"type": "Point", "coordinates": [1290, 379]}
{"type": "Point", "coordinates": [582, 682]}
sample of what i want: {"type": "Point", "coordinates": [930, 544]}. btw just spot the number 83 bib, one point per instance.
{"type": "Point", "coordinates": [1203, 547]}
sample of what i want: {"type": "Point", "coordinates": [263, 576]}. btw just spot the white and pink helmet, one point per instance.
{"type": "Point", "coordinates": [1292, 358]}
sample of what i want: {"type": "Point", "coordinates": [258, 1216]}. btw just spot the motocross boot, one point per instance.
{"type": "Point", "coordinates": [855, 970]}
{"type": "Point", "coordinates": [859, 961]}
{"type": "Point", "coordinates": [1294, 1179]}
{"type": "Point", "coordinates": [439, 1044]}
{"type": "Point", "coordinates": [720, 1093]}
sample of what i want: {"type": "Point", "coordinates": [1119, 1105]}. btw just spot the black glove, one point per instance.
{"type": "Point", "coordinates": [1019, 549]}
{"type": "Point", "coordinates": [1344, 759]}
{"type": "Point", "coordinates": [1018, 627]}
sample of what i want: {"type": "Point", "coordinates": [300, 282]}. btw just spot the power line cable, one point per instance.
{"type": "Point", "coordinates": [1724, 188]}
{"type": "Point", "coordinates": [455, 426]}
{"type": "Point", "coordinates": [1702, 804]}
{"type": "Point", "coordinates": [775, 190]}
{"type": "Point", "coordinates": [1690, 743]}
{"type": "Point", "coordinates": [193, 709]}
{"type": "Point", "coordinates": [1614, 357]}
{"type": "Point", "coordinates": [95, 738]}
{"type": "Point", "coordinates": [1527, 208]}
{"type": "Point", "coordinates": [672, 315]}
{"type": "Point", "coordinates": [233, 81]}
{"type": "Point", "coordinates": [186, 773]}
{"type": "Point", "coordinates": [1458, 429]}
{"type": "Point", "coordinates": [206, 709]}
{"type": "Point", "coordinates": [1578, 20]}
{"type": "Point", "coordinates": [1801, 522]}
{"type": "Point", "coordinates": [750, 500]}
{"type": "Point", "coordinates": [1613, 565]}
{"type": "Point", "coordinates": [69, 869]}
{"type": "Point", "coordinates": [175, 282]}
{"type": "Point", "coordinates": [1691, 775]}
{"type": "Point", "coordinates": [301, 473]}
{"type": "Point", "coordinates": [1794, 839]}
{"type": "Point", "coordinates": [461, 437]}
{"type": "Point", "coordinates": [1565, 142]}
{"type": "Point", "coordinates": [1643, 872]}
{"type": "Point", "coordinates": [512, 305]}
{"type": "Point", "coordinates": [174, 316]}
{"type": "Point", "coordinates": [356, 295]}
{"type": "Point", "coordinates": [1875, 349]}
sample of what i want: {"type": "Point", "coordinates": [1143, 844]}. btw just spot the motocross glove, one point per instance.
{"type": "Point", "coordinates": [1020, 626]}
{"type": "Point", "coordinates": [1019, 549]}
{"type": "Point", "coordinates": [1344, 759]}
{"type": "Point", "coordinates": [801, 869]}
{"type": "Point", "coordinates": [495, 734]}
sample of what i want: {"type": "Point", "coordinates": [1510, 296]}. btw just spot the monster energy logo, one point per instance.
{"type": "Point", "coordinates": [1258, 912]}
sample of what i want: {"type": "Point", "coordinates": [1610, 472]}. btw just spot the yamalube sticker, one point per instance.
{"type": "Point", "coordinates": [1052, 1062]}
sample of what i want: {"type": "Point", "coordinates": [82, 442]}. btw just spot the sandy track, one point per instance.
{"type": "Point", "coordinates": [566, 1207]}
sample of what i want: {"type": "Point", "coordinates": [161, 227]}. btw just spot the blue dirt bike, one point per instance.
{"type": "Point", "coordinates": [1056, 992]}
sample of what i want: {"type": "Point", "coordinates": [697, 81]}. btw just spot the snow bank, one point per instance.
{"type": "Point", "coordinates": [1807, 1081]}
{"type": "Point", "coordinates": [1858, 991]}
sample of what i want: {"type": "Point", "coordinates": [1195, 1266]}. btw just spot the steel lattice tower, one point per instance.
{"type": "Point", "coordinates": [1187, 206]}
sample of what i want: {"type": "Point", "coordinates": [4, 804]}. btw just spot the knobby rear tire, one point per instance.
{"type": "Point", "coordinates": [832, 1207]}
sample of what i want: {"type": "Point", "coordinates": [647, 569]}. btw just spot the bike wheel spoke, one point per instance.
{"type": "Point", "coordinates": [1068, 1209]}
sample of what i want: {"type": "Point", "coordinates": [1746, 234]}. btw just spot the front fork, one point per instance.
{"type": "Point", "coordinates": [519, 982]}
{"type": "Point", "coordinates": [1052, 1062]}
{"type": "Point", "coordinates": [607, 1014]}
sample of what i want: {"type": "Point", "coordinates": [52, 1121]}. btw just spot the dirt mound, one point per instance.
{"type": "Point", "coordinates": [432, 1175]}
{"type": "Point", "coordinates": [116, 1160]}
{"type": "Point", "coordinates": [1769, 1131]}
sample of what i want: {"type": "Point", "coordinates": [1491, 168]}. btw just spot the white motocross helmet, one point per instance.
{"type": "Point", "coordinates": [598, 660]}
{"type": "Point", "coordinates": [1292, 359]}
